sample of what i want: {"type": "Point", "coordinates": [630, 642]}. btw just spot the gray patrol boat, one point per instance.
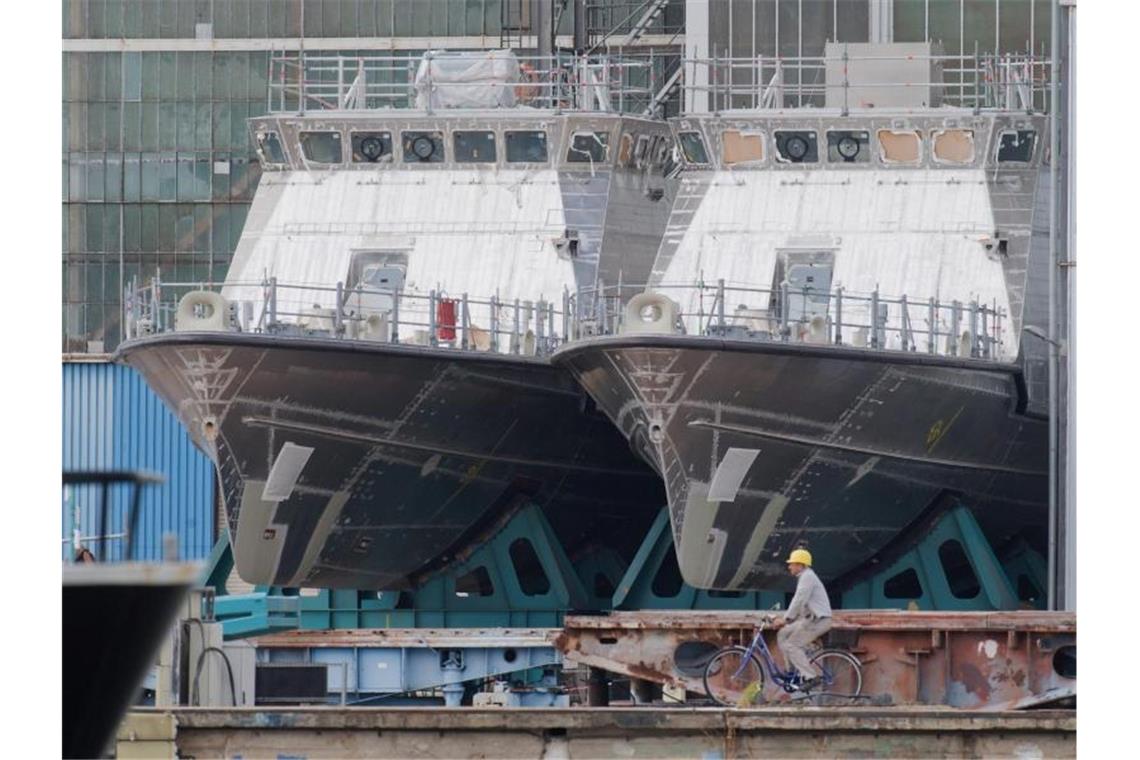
{"type": "Point", "coordinates": [831, 348]}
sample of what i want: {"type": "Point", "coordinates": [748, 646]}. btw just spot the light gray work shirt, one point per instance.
{"type": "Point", "coordinates": [810, 599]}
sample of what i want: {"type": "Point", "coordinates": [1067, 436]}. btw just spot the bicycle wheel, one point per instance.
{"type": "Point", "coordinates": [842, 677]}
{"type": "Point", "coordinates": [734, 678]}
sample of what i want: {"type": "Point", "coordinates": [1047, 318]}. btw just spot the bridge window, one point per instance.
{"type": "Point", "coordinates": [526, 147]}
{"type": "Point", "coordinates": [370, 147]}
{"type": "Point", "coordinates": [641, 151]}
{"type": "Point", "coordinates": [848, 146]}
{"type": "Point", "coordinates": [899, 147]}
{"type": "Point", "coordinates": [739, 147]}
{"type": "Point", "coordinates": [625, 152]}
{"type": "Point", "coordinates": [1016, 146]}
{"type": "Point", "coordinates": [694, 147]}
{"type": "Point", "coordinates": [475, 147]}
{"type": "Point", "coordinates": [269, 148]}
{"type": "Point", "coordinates": [959, 572]}
{"type": "Point", "coordinates": [475, 583]}
{"type": "Point", "coordinates": [588, 147]}
{"type": "Point", "coordinates": [954, 146]}
{"type": "Point", "coordinates": [322, 147]}
{"type": "Point", "coordinates": [528, 568]}
{"type": "Point", "coordinates": [422, 147]}
{"type": "Point", "coordinates": [904, 585]}
{"type": "Point", "coordinates": [797, 147]}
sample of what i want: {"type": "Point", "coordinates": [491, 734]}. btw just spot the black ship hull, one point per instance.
{"type": "Point", "coordinates": [414, 454]}
{"type": "Point", "coordinates": [763, 447]}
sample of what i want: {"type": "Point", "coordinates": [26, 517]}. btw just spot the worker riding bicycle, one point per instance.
{"type": "Point", "coordinates": [807, 618]}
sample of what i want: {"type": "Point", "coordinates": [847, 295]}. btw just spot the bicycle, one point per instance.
{"type": "Point", "coordinates": [734, 676]}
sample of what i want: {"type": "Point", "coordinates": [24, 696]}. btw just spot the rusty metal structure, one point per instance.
{"type": "Point", "coordinates": [970, 660]}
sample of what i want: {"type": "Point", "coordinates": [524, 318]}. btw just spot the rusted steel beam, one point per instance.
{"type": "Point", "coordinates": [411, 637]}
{"type": "Point", "coordinates": [964, 660]}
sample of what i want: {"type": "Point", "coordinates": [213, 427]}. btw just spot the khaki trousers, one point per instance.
{"type": "Point", "coordinates": [794, 638]}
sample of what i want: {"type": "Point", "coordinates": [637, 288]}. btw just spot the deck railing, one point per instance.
{"type": "Point", "coordinates": [872, 321]}
{"type": "Point", "coordinates": [300, 82]}
{"type": "Point", "coordinates": [1005, 82]}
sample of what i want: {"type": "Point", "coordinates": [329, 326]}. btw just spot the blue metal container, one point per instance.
{"type": "Point", "coordinates": [112, 421]}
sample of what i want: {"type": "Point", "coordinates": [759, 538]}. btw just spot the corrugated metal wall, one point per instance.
{"type": "Point", "coordinates": [112, 420]}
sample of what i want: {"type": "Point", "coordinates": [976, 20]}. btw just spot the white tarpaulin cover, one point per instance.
{"type": "Point", "coordinates": [467, 80]}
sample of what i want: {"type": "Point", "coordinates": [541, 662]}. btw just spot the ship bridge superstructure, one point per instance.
{"type": "Point", "coordinates": [487, 174]}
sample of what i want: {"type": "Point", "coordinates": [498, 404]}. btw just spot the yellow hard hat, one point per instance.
{"type": "Point", "coordinates": [802, 556]}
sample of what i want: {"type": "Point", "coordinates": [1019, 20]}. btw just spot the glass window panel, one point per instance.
{"type": "Point", "coordinates": [258, 80]}
{"type": "Point", "coordinates": [259, 18]}
{"type": "Point", "coordinates": [402, 16]}
{"type": "Point", "coordinates": [588, 147]}
{"type": "Point", "coordinates": [384, 18]}
{"type": "Point", "coordinates": [113, 178]}
{"type": "Point", "coordinates": [366, 19]}
{"type": "Point", "coordinates": [132, 228]}
{"type": "Point", "coordinates": [184, 114]}
{"type": "Point", "coordinates": [239, 18]}
{"type": "Point", "coordinates": [149, 128]}
{"type": "Point", "coordinates": [132, 177]}
{"type": "Point", "coordinates": [184, 236]}
{"type": "Point", "coordinates": [113, 71]}
{"type": "Point", "coordinates": [221, 126]}
{"type": "Point", "coordinates": [132, 76]}
{"type": "Point", "coordinates": [475, 147]}
{"type": "Point", "coordinates": [150, 18]}
{"type": "Point", "coordinates": [96, 115]}
{"type": "Point", "coordinates": [185, 176]}
{"type": "Point", "coordinates": [150, 169]}
{"type": "Point", "coordinates": [366, 147]}
{"type": "Point", "coordinates": [168, 177]}
{"type": "Point", "coordinates": [201, 227]}
{"type": "Point", "coordinates": [203, 76]}
{"type": "Point", "coordinates": [223, 20]}
{"type": "Point", "coordinates": [456, 18]}
{"type": "Point", "coordinates": [221, 67]}
{"type": "Point", "coordinates": [220, 229]}
{"type": "Point", "coordinates": [167, 75]}
{"type": "Point", "coordinates": [184, 66]}
{"type": "Point", "coordinates": [149, 228]}
{"type": "Point", "coordinates": [97, 18]}
{"type": "Point", "coordinates": [1016, 145]}
{"type": "Point", "coordinates": [65, 186]}
{"type": "Point", "coordinates": [527, 146]}
{"type": "Point", "coordinates": [330, 18]}
{"type": "Point", "coordinates": [312, 18]}
{"type": "Point", "coordinates": [694, 148]}
{"type": "Point", "coordinates": [167, 125]}
{"type": "Point", "coordinates": [239, 139]}
{"type": "Point", "coordinates": [132, 18]}
{"type": "Point", "coordinates": [76, 227]}
{"type": "Point", "coordinates": [111, 228]}
{"type": "Point", "coordinates": [167, 227]}
{"type": "Point", "coordinates": [239, 178]}
{"type": "Point", "coordinates": [132, 126]}
{"type": "Point", "coordinates": [94, 177]}
{"type": "Point", "coordinates": [77, 180]}
{"type": "Point", "coordinates": [421, 19]}
{"type": "Point", "coordinates": [253, 176]}
{"type": "Point", "coordinates": [220, 183]}
{"type": "Point", "coordinates": [202, 126]}
{"type": "Point", "coordinates": [77, 126]}
{"type": "Point", "coordinates": [203, 170]}
{"type": "Point", "coordinates": [112, 126]}
{"type": "Point", "coordinates": [899, 147]}
{"type": "Point", "coordinates": [186, 19]}
{"type": "Point", "coordinates": [954, 146]}
{"type": "Point", "coordinates": [94, 213]}
{"type": "Point", "coordinates": [167, 20]}
{"type": "Point", "coordinates": [150, 68]}
{"type": "Point", "coordinates": [322, 147]}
